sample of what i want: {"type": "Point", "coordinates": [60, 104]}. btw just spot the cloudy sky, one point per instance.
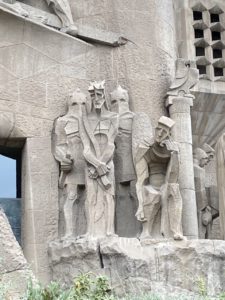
{"type": "Point", "coordinates": [7, 177]}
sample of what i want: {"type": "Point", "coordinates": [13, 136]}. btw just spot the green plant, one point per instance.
{"type": "Point", "coordinates": [53, 291]}
{"type": "Point", "coordinates": [85, 287]}
{"type": "Point", "coordinates": [201, 284]}
{"type": "Point", "coordinates": [222, 296]}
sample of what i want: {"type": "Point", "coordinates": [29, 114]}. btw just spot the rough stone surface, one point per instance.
{"type": "Point", "coordinates": [14, 269]}
{"type": "Point", "coordinates": [158, 266]}
{"type": "Point", "coordinates": [40, 66]}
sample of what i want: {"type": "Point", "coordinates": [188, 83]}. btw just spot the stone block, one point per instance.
{"type": "Point", "coordinates": [32, 92]}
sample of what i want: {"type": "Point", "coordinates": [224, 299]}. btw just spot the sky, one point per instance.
{"type": "Point", "coordinates": [7, 177]}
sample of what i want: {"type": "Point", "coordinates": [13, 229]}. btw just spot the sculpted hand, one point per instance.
{"type": "Point", "coordinates": [92, 173]}
{"type": "Point", "coordinates": [170, 145]}
{"type": "Point", "coordinates": [140, 215]}
{"type": "Point", "coordinates": [102, 169]}
{"type": "Point", "coordinates": [66, 164]}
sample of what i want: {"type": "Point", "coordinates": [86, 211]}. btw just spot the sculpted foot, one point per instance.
{"type": "Point", "coordinates": [71, 30]}
{"type": "Point", "coordinates": [110, 234]}
{"type": "Point", "coordinates": [178, 237]}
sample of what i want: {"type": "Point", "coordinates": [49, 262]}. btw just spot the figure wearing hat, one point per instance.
{"type": "Point", "coordinates": [160, 192]}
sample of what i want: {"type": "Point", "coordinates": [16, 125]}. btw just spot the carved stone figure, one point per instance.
{"type": "Point", "coordinates": [100, 128]}
{"type": "Point", "coordinates": [162, 188]}
{"type": "Point", "coordinates": [123, 160]}
{"type": "Point", "coordinates": [185, 78]}
{"type": "Point", "coordinates": [204, 211]}
{"type": "Point", "coordinates": [220, 161]}
{"type": "Point", "coordinates": [63, 11]}
{"type": "Point", "coordinates": [125, 175]}
{"type": "Point", "coordinates": [209, 151]}
{"type": "Point", "coordinates": [68, 151]}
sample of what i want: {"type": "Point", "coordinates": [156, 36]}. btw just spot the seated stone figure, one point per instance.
{"type": "Point", "coordinates": [160, 189]}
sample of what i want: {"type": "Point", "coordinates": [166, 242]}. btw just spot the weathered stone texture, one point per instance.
{"type": "Point", "coordinates": [42, 66]}
{"type": "Point", "coordinates": [144, 66]}
{"type": "Point", "coordinates": [152, 266]}
{"type": "Point", "coordinates": [14, 268]}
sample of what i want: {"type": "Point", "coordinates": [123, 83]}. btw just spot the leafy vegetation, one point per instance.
{"type": "Point", "coordinates": [89, 287]}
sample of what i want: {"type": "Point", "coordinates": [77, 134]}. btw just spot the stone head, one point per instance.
{"type": "Point", "coordinates": [163, 129]}
{"type": "Point", "coordinates": [76, 102]}
{"type": "Point", "coordinates": [119, 100]}
{"type": "Point", "coordinates": [201, 157]}
{"type": "Point", "coordinates": [209, 151]}
{"type": "Point", "coordinates": [97, 94]}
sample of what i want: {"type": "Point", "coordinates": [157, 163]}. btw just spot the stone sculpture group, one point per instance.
{"type": "Point", "coordinates": [96, 135]}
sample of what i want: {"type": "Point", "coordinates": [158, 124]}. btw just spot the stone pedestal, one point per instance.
{"type": "Point", "coordinates": [159, 266]}
{"type": "Point", "coordinates": [179, 110]}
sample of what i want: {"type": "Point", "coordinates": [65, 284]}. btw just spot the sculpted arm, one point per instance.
{"type": "Point", "coordinates": [109, 150]}
{"type": "Point", "coordinates": [60, 146]}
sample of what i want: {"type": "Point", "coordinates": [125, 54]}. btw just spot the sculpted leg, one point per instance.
{"type": "Point", "coordinates": [68, 209]}
{"type": "Point", "coordinates": [63, 11]}
{"type": "Point", "coordinates": [110, 214]}
{"type": "Point", "coordinates": [151, 208]}
{"type": "Point", "coordinates": [89, 206]}
{"type": "Point", "coordinates": [175, 210]}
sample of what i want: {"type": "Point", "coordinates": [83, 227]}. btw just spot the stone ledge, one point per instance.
{"type": "Point", "coordinates": [134, 266]}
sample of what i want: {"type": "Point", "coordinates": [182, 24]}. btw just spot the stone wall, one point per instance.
{"type": "Point", "coordinates": [39, 67]}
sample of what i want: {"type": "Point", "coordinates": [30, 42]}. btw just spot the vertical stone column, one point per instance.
{"type": "Point", "coordinates": [179, 109]}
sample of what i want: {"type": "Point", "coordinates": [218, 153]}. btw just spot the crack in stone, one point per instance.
{"type": "Point", "coordinates": [100, 257]}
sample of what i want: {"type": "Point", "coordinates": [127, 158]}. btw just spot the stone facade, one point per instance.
{"type": "Point", "coordinates": [102, 103]}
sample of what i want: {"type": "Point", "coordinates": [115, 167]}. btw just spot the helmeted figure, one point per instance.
{"type": "Point", "coordinates": [125, 174]}
{"type": "Point", "coordinates": [68, 151]}
{"type": "Point", "coordinates": [100, 127]}
{"type": "Point", "coordinates": [123, 159]}
{"type": "Point", "coordinates": [160, 189]}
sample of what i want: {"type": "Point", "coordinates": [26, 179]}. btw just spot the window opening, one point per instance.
{"type": "Point", "coordinates": [214, 18]}
{"type": "Point", "coordinates": [202, 69]}
{"type": "Point", "coordinates": [217, 53]}
{"type": "Point", "coordinates": [199, 33]}
{"type": "Point", "coordinates": [216, 35]}
{"type": "Point", "coordinates": [10, 187]}
{"type": "Point", "coordinates": [200, 51]}
{"type": "Point", "coordinates": [197, 15]}
{"type": "Point", "coordinates": [218, 72]}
